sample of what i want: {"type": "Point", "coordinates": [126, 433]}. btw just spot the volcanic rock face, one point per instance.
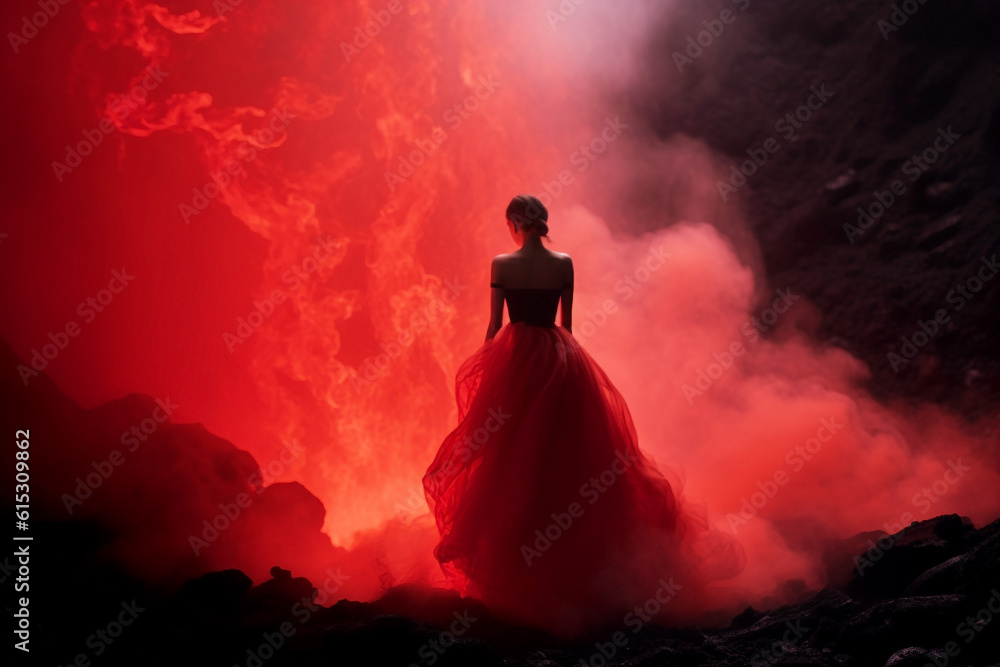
{"type": "Point", "coordinates": [172, 500]}
{"type": "Point", "coordinates": [877, 195]}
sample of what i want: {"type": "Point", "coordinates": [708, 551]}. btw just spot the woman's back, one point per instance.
{"type": "Point", "coordinates": [532, 281]}
{"type": "Point", "coordinates": [535, 269]}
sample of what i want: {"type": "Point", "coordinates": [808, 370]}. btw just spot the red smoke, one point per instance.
{"type": "Point", "coordinates": [309, 213]}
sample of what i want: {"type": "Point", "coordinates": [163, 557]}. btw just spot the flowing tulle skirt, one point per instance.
{"type": "Point", "coordinates": [547, 509]}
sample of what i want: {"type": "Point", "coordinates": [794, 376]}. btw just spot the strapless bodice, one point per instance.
{"type": "Point", "coordinates": [531, 305]}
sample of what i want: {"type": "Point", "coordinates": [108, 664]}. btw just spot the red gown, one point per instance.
{"type": "Point", "coordinates": [547, 509]}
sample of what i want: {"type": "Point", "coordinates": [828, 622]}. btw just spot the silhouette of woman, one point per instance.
{"type": "Point", "coordinates": [547, 509]}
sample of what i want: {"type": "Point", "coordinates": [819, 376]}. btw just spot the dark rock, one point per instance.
{"type": "Point", "coordinates": [938, 580]}
{"type": "Point", "coordinates": [843, 186]}
{"type": "Point", "coordinates": [826, 632]}
{"type": "Point", "coordinates": [842, 181]}
{"type": "Point", "coordinates": [276, 598]}
{"type": "Point", "coordinates": [908, 657]}
{"type": "Point", "coordinates": [893, 562]}
{"type": "Point", "coordinates": [216, 592]}
{"type": "Point", "coordinates": [939, 232]}
{"type": "Point", "coordinates": [842, 557]}
{"type": "Point", "coordinates": [550, 658]}
{"type": "Point", "coordinates": [792, 623]}
{"type": "Point", "coordinates": [279, 573]}
{"type": "Point", "coordinates": [882, 629]}
{"type": "Point", "coordinates": [745, 618]}
{"type": "Point", "coordinates": [942, 195]}
{"type": "Point", "coordinates": [217, 617]}
{"type": "Point", "coordinates": [979, 570]}
{"type": "Point", "coordinates": [396, 640]}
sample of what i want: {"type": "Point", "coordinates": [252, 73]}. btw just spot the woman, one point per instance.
{"type": "Point", "coordinates": [547, 509]}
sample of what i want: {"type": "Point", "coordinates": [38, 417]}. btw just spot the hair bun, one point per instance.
{"type": "Point", "coordinates": [527, 212]}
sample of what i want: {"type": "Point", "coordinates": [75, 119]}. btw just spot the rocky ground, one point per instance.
{"type": "Point", "coordinates": [927, 595]}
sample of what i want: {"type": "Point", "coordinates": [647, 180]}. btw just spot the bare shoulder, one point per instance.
{"type": "Point", "coordinates": [565, 267]}
{"type": "Point", "coordinates": [497, 270]}
{"type": "Point", "coordinates": [565, 261]}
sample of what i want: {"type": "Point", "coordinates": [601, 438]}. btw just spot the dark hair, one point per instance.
{"type": "Point", "coordinates": [527, 212]}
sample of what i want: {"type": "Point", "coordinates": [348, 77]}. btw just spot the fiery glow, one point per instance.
{"type": "Point", "coordinates": [313, 191]}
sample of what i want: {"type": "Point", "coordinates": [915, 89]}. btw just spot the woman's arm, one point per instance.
{"type": "Point", "coordinates": [567, 297]}
{"type": "Point", "coordinates": [496, 300]}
